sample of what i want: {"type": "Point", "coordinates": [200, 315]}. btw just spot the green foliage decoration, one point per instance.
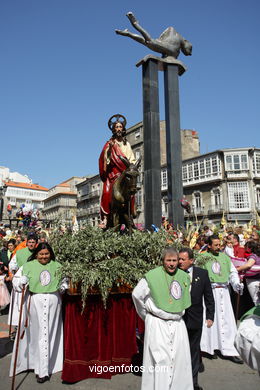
{"type": "Point", "coordinates": [102, 260]}
{"type": "Point", "coordinates": [202, 258]}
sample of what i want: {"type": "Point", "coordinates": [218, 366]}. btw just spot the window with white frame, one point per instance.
{"type": "Point", "coordinates": [139, 179]}
{"type": "Point", "coordinates": [208, 167]}
{"type": "Point", "coordinates": [257, 193]}
{"type": "Point", "coordinates": [214, 163]}
{"type": "Point", "coordinates": [256, 163]}
{"type": "Point", "coordinates": [238, 195]}
{"type": "Point", "coordinates": [236, 162]}
{"type": "Point", "coordinates": [197, 200]}
{"type": "Point", "coordinates": [164, 178]}
{"type": "Point", "coordinates": [216, 196]}
{"type": "Point", "coordinates": [165, 204]}
{"type": "Point", "coordinates": [137, 154]}
{"type": "Point", "coordinates": [138, 199]}
{"type": "Point", "coordinates": [190, 172]}
{"type": "Point", "coordinates": [184, 173]}
{"type": "Point", "coordinates": [67, 201]}
{"type": "Point", "coordinates": [196, 170]}
{"type": "Point", "coordinates": [201, 169]}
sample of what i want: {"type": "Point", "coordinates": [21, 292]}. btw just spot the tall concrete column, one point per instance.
{"type": "Point", "coordinates": [152, 155]}
{"type": "Point", "coordinates": [173, 144]}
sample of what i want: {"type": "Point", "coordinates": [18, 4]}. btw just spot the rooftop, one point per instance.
{"type": "Point", "coordinates": [30, 186]}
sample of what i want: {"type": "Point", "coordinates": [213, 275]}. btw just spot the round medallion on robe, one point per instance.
{"type": "Point", "coordinates": [216, 268]}
{"type": "Point", "coordinates": [176, 290]}
{"type": "Point", "coordinates": [45, 278]}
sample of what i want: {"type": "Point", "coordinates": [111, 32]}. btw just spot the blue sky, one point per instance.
{"type": "Point", "coordinates": [64, 72]}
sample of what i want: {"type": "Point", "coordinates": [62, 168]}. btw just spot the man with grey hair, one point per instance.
{"type": "Point", "coordinates": [200, 290]}
{"type": "Point", "coordinates": [161, 298]}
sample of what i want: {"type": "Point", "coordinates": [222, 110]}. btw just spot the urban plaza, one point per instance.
{"type": "Point", "coordinates": [142, 272]}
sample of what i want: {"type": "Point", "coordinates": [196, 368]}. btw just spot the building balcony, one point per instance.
{"type": "Point", "coordinates": [216, 209]}
{"type": "Point", "coordinates": [94, 210]}
{"type": "Point", "coordinates": [88, 211]}
{"type": "Point", "coordinates": [201, 179]}
{"type": "Point", "coordinates": [256, 174]}
{"type": "Point", "coordinates": [94, 194]}
{"type": "Point", "coordinates": [238, 174]}
{"type": "Point", "coordinates": [197, 210]}
{"type": "Point", "coordinates": [58, 204]}
{"type": "Point", "coordinates": [82, 213]}
{"type": "Point", "coordinates": [90, 195]}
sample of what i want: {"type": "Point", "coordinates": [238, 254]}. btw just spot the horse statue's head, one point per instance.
{"type": "Point", "coordinates": [125, 187]}
{"type": "Point", "coordinates": [129, 176]}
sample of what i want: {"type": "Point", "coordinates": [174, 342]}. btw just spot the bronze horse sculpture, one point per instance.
{"type": "Point", "coordinates": [123, 209]}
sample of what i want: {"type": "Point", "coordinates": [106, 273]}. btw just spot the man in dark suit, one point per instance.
{"type": "Point", "coordinates": [200, 288]}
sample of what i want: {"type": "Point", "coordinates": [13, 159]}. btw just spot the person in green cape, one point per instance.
{"type": "Point", "coordinates": [20, 258]}
{"type": "Point", "coordinates": [23, 254]}
{"type": "Point", "coordinates": [161, 298]}
{"type": "Point", "coordinates": [220, 337]}
{"type": "Point", "coordinates": [41, 348]}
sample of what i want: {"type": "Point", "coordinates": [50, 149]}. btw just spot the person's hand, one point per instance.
{"type": "Point", "coordinates": [239, 288]}
{"type": "Point", "coordinates": [23, 280]}
{"type": "Point", "coordinates": [209, 323]}
{"type": "Point", "coordinates": [13, 267]}
{"type": "Point", "coordinates": [64, 285]}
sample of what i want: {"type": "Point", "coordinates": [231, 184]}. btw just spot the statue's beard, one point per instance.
{"type": "Point", "coordinates": [119, 134]}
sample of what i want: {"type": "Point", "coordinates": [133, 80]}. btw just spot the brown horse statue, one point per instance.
{"type": "Point", "coordinates": [124, 189]}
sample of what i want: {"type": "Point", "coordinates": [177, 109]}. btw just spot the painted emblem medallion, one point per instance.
{"type": "Point", "coordinates": [216, 268]}
{"type": "Point", "coordinates": [176, 290]}
{"type": "Point", "coordinates": [45, 278]}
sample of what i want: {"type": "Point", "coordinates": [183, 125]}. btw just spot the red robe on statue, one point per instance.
{"type": "Point", "coordinates": [108, 174]}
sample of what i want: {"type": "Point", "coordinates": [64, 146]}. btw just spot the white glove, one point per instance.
{"type": "Point", "coordinates": [64, 285]}
{"type": "Point", "coordinates": [13, 266]}
{"type": "Point", "coordinates": [239, 288]}
{"type": "Point", "coordinates": [23, 280]}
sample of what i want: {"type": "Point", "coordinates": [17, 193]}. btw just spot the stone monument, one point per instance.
{"type": "Point", "coordinates": [169, 44]}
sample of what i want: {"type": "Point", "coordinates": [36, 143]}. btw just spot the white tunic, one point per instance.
{"type": "Point", "coordinates": [247, 341]}
{"type": "Point", "coordinates": [166, 359]}
{"type": "Point", "coordinates": [41, 348]}
{"type": "Point", "coordinates": [15, 303]}
{"type": "Point", "coordinates": [222, 334]}
{"type": "Point", "coordinates": [14, 308]}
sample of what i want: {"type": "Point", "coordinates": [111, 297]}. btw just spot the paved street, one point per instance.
{"type": "Point", "coordinates": [219, 374]}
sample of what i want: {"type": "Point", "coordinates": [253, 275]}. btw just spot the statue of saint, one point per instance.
{"type": "Point", "coordinates": [115, 157]}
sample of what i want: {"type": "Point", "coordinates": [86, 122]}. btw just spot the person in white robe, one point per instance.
{"type": "Point", "coordinates": [221, 336]}
{"type": "Point", "coordinates": [20, 258]}
{"type": "Point", "coordinates": [160, 300]}
{"type": "Point", "coordinates": [41, 342]}
{"type": "Point", "coordinates": [247, 340]}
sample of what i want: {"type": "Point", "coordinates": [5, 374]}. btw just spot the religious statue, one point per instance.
{"type": "Point", "coordinates": [118, 170]}
{"type": "Point", "coordinates": [169, 43]}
